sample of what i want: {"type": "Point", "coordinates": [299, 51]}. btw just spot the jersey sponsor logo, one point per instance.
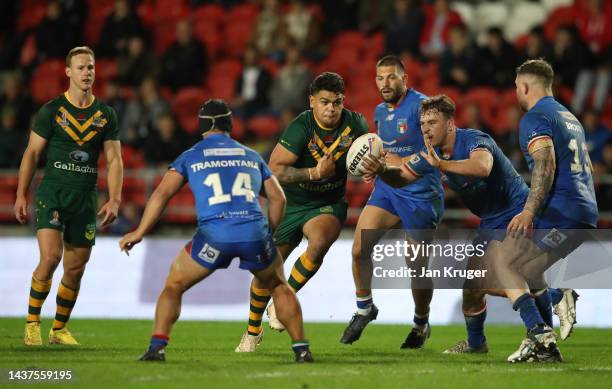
{"type": "Point", "coordinates": [554, 238]}
{"type": "Point", "coordinates": [402, 126]}
{"type": "Point", "coordinates": [209, 254]}
{"type": "Point", "coordinates": [390, 117]}
{"type": "Point", "coordinates": [79, 156]}
{"type": "Point", "coordinates": [326, 209]}
{"type": "Point", "coordinates": [567, 115]}
{"type": "Point", "coordinates": [71, 167]}
{"type": "Point", "coordinates": [224, 152]}
{"type": "Point", "coordinates": [80, 133]}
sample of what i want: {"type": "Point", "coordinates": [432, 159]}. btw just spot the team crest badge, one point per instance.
{"type": "Point", "coordinates": [345, 142]}
{"type": "Point", "coordinates": [402, 126]}
{"type": "Point", "coordinates": [63, 119]}
{"type": "Point", "coordinates": [90, 231]}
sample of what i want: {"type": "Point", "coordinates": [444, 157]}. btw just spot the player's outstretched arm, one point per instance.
{"type": "Point", "coordinates": [544, 164]}
{"type": "Point", "coordinates": [276, 202]}
{"type": "Point", "coordinates": [112, 153]}
{"type": "Point", "coordinates": [479, 164]}
{"type": "Point", "coordinates": [167, 188]}
{"type": "Point", "coordinates": [36, 146]}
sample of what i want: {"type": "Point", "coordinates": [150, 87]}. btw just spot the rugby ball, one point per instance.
{"type": "Point", "coordinates": [367, 144]}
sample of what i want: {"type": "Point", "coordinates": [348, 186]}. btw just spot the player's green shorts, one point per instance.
{"type": "Point", "coordinates": [289, 232]}
{"type": "Point", "coordinates": [68, 210]}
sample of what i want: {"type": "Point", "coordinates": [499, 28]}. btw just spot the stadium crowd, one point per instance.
{"type": "Point", "coordinates": [158, 60]}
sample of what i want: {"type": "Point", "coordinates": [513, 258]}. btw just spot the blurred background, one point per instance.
{"type": "Point", "coordinates": [158, 60]}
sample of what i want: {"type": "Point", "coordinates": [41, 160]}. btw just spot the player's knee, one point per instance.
{"type": "Point", "coordinates": [51, 258]}
{"type": "Point", "coordinates": [472, 298]}
{"type": "Point", "coordinates": [318, 247]}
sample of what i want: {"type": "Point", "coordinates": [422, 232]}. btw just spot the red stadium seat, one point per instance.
{"type": "Point", "coordinates": [243, 13]}
{"type": "Point", "coordinates": [237, 36]}
{"type": "Point", "coordinates": [213, 14]}
{"type": "Point", "coordinates": [165, 34]}
{"type": "Point", "coordinates": [375, 45]}
{"type": "Point", "coordinates": [167, 10]}
{"type": "Point", "coordinates": [264, 126]}
{"type": "Point", "coordinates": [28, 51]}
{"type": "Point", "coordinates": [559, 17]}
{"type": "Point", "coordinates": [185, 106]}
{"type": "Point", "coordinates": [349, 39]}
{"type": "Point", "coordinates": [238, 128]}
{"type": "Point", "coordinates": [31, 14]}
{"type": "Point", "coordinates": [221, 87]}
{"type": "Point", "coordinates": [48, 81]}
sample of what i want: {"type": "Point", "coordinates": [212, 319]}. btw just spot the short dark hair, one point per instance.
{"type": "Point", "coordinates": [440, 103]}
{"type": "Point", "coordinates": [76, 51]}
{"type": "Point", "coordinates": [215, 113]}
{"type": "Point", "coordinates": [539, 68]}
{"type": "Point", "coordinates": [391, 60]}
{"type": "Point", "coordinates": [328, 81]}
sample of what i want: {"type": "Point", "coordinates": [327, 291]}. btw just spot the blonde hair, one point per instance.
{"type": "Point", "coordinates": [78, 50]}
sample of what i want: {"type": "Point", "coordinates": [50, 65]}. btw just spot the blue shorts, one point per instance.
{"type": "Point", "coordinates": [555, 233]}
{"type": "Point", "coordinates": [494, 228]}
{"type": "Point", "coordinates": [414, 214]}
{"type": "Point", "coordinates": [254, 255]}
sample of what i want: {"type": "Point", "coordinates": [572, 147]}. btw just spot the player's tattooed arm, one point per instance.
{"type": "Point", "coordinates": [542, 176]}
{"type": "Point", "coordinates": [281, 162]}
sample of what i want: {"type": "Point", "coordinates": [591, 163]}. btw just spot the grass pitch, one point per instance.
{"type": "Point", "coordinates": [201, 354]}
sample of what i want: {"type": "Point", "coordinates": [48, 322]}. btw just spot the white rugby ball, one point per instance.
{"type": "Point", "coordinates": [367, 144]}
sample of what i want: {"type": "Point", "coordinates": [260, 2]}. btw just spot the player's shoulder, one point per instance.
{"type": "Point", "coordinates": [105, 108]}
{"type": "Point", "coordinates": [533, 117]}
{"type": "Point", "coordinates": [353, 116]}
{"type": "Point", "coordinates": [52, 105]}
{"type": "Point", "coordinates": [471, 133]}
{"type": "Point", "coordinates": [414, 95]}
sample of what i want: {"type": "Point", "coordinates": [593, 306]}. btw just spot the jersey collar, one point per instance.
{"type": "Point", "coordinates": [67, 97]}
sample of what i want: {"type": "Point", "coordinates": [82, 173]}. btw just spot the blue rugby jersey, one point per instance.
{"type": "Point", "coordinates": [400, 130]}
{"type": "Point", "coordinates": [501, 193]}
{"type": "Point", "coordinates": [225, 178]}
{"type": "Point", "coordinates": [572, 194]}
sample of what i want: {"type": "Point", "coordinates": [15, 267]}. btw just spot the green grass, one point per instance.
{"type": "Point", "coordinates": [201, 354]}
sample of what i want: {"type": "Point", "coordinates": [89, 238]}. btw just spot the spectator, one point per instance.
{"type": "Point", "coordinates": [604, 194]}
{"type": "Point", "coordinates": [298, 21]}
{"type": "Point", "coordinates": [290, 87]}
{"type": "Point", "coordinates": [439, 19]}
{"type": "Point", "coordinates": [341, 15]}
{"type": "Point", "coordinates": [569, 56]}
{"type": "Point", "coordinates": [497, 61]}
{"type": "Point", "coordinates": [13, 141]}
{"type": "Point", "coordinates": [252, 86]}
{"type": "Point", "coordinates": [373, 15]}
{"type": "Point", "coordinates": [595, 27]}
{"type": "Point", "coordinates": [17, 100]}
{"type": "Point", "coordinates": [137, 63]}
{"type": "Point", "coordinates": [53, 35]}
{"type": "Point", "coordinates": [164, 144]}
{"type": "Point", "coordinates": [536, 46]}
{"type": "Point", "coordinates": [473, 118]}
{"type": "Point", "coordinates": [142, 113]}
{"type": "Point", "coordinates": [268, 25]}
{"type": "Point", "coordinates": [596, 135]}
{"type": "Point", "coordinates": [112, 97]}
{"type": "Point", "coordinates": [404, 28]}
{"type": "Point", "coordinates": [121, 25]}
{"type": "Point", "coordinates": [458, 60]}
{"type": "Point", "coordinates": [184, 63]}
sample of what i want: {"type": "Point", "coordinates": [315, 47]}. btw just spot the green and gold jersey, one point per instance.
{"type": "Point", "coordinates": [309, 141]}
{"type": "Point", "coordinates": [75, 138]}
